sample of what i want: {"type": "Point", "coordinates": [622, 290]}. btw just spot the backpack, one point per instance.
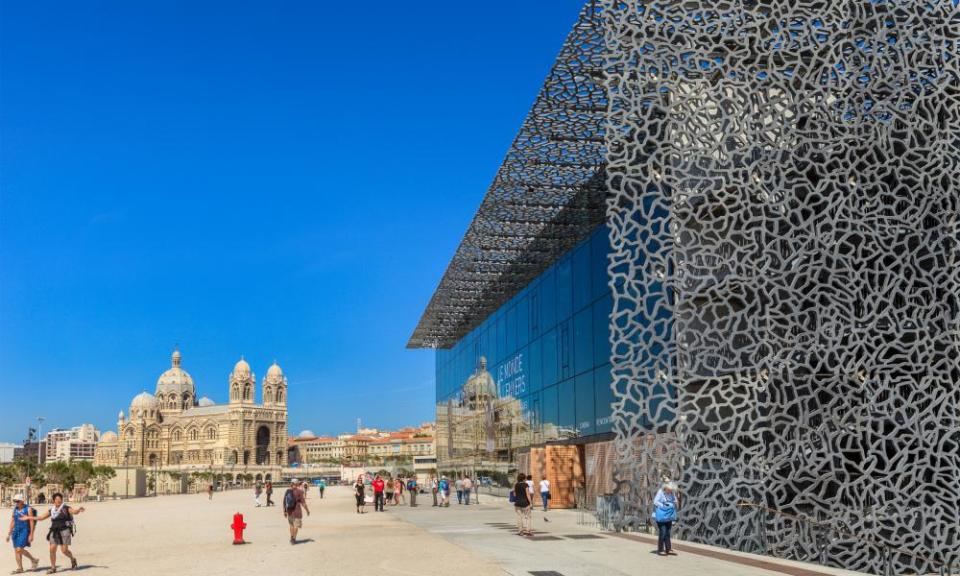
{"type": "Point", "coordinates": [289, 500]}
{"type": "Point", "coordinates": [411, 485]}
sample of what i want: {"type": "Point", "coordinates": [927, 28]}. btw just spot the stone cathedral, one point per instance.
{"type": "Point", "coordinates": [173, 429]}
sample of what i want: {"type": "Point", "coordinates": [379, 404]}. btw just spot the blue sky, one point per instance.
{"type": "Point", "coordinates": [282, 180]}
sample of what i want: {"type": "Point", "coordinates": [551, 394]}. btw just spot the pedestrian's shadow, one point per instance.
{"type": "Point", "coordinates": [305, 541]}
{"type": "Point", "coordinates": [87, 567]}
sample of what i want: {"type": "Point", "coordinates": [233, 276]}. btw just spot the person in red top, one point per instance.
{"type": "Point", "coordinates": [378, 485]}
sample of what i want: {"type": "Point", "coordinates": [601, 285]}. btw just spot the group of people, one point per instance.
{"type": "Point", "coordinates": [23, 524]}
{"type": "Point", "coordinates": [440, 488]}
{"type": "Point", "coordinates": [385, 490]}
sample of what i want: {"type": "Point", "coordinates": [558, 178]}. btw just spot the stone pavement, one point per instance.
{"type": "Point", "coordinates": [189, 535]}
{"type": "Point", "coordinates": [561, 547]}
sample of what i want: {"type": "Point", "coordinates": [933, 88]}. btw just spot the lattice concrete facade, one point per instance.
{"type": "Point", "coordinates": [781, 183]}
{"type": "Point", "coordinates": [784, 195]}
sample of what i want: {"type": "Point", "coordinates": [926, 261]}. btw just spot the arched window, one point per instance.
{"type": "Point", "coordinates": [177, 435]}
{"type": "Point", "coordinates": [235, 392]}
{"type": "Point", "coordinates": [267, 394]}
{"type": "Point", "coordinates": [280, 399]}
{"type": "Point", "coordinates": [211, 433]}
{"type": "Point", "coordinates": [246, 392]}
{"type": "Point", "coordinates": [187, 402]}
{"type": "Point", "coordinates": [194, 435]}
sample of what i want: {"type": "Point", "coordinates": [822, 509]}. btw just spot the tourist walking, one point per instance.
{"type": "Point", "coordinates": [388, 490]}
{"type": "Point", "coordinates": [294, 503]}
{"type": "Point", "coordinates": [358, 492]}
{"type": "Point", "coordinates": [269, 490]}
{"type": "Point", "coordinates": [321, 487]}
{"type": "Point", "coordinates": [467, 489]}
{"type": "Point", "coordinates": [257, 491]}
{"type": "Point", "coordinates": [378, 485]}
{"type": "Point", "coordinates": [434, 488]}
{"type": "Point", "coordinates": [22, 533]}
{"type": "Point", "coordinates": [412, 490]}
{"type": "Point", "coordinates": [444, 489]}
{"type": "Point", "coordinates": [665, 505]}
{"type": "Point", "coordinates": [61, 530]}
{"type": "Point", "coordinates": [459, 487]}
{"type": "Point", "coordinates": [397, 491]}
{"type": "Point", "coordinates": [545, 493]}
{"type": "Point", "coordinates": [521, 496]}
{"type": "Point", "coordinates": [209, 491]}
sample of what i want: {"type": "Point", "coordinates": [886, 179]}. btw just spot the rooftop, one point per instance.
{"type": "Point", "coordinates": [548, 194]}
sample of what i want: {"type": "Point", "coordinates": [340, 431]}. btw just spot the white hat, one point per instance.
{"type": "Point", "coordinates": [293, 480]}
{"type": "Point", "coordinates": [18, 497]}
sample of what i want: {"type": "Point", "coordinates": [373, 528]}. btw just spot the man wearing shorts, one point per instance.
{"type": "Point", "coordinates": [294, 503]}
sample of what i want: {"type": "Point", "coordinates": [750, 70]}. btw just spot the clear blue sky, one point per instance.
{"type": "Point", "coordinates": [283, 180]}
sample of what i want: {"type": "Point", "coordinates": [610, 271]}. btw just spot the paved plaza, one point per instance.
{"type": "Point", "coordinates": [190, 535]}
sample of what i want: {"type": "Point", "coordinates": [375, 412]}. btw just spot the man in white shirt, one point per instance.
{"type": "Point", "coordinates": [545, 493]}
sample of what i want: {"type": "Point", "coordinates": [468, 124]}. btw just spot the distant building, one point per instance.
{"type": "Point", "coordinates": [8, 452]}
{"type": "Point", "coordinates": [369, 445]}
{"type": "Point", "coordinates": [77, 443]}
{"type": "Point", "coordinates": [30, 449]}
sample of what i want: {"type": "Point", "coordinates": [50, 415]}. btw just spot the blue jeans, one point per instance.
{"type": "Point", "coordinates": [663, 536]}
{"type": "Point", "coordinates": [545, 496]}
{"type": "Point", "coordinates": [466, 497]}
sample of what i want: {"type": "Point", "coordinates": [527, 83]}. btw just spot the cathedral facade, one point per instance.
{"type": "Point", "coordinates": [172, 429]}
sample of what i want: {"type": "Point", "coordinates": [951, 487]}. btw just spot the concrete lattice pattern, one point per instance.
{"type": "Point", "coordinates": [784, 179]}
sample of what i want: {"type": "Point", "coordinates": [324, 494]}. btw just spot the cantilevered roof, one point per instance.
{"type": "Point", "coordinates": [547, 196]}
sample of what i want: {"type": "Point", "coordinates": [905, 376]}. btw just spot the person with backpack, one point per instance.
{"type": "Point", "coordinates": [321, 486]}
{"type": "Point", "coordinates": [444, 490]}
{"type": "Point", "coordinates": [62, 529]}
{"type": "Point", "coordinates": [268, 488]}
{"type": "Point", "coordinates": [434, 488]}
{"type": "Point", "coordinates": [521, 497]}
{"type": "Point", "coordinates": [22, 533]}
{"type": "Point", "coordinates": [257, 491]}
{"type": "Point", "coordinates": [459, 487]}
{"type": "Point", "coordinates": [665, 505]}
{"type": "Point", "coordinates": [412, 490]}
{"type": "Point", "coordinates": [294, 503]}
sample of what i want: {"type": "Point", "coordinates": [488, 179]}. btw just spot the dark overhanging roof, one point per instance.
{"type": "Point", "coordinates": [547, 196]}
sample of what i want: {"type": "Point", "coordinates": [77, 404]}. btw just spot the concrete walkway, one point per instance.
{"type": "Point", "coordinates": [562, 548]}
{"type": "Point", "coordinates": [189, 535]}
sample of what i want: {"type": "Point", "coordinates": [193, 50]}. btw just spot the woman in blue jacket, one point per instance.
{"type": "Point", "coordinates": [665, 505]}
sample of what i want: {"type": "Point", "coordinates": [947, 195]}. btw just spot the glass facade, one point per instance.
{"type": "Point", "coordinates": [547, 351]}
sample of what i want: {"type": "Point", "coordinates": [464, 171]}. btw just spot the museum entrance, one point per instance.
{"type": "Point", "coordinates": [263, 445]}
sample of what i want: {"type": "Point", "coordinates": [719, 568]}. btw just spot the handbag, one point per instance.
{"type": "Point", "coordinates": [665, 514]}
{"type": "Point", "coordinates": [513, 497]}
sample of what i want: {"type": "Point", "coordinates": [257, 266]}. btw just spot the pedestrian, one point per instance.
{"type": "Point", "coordinates": [209, 491]}
{"type": "Point", "coordinates": [358, 491]}
{"type": "Point", "coordinates": [545, 493]}
{"type": "Point", "coordinates": [444, 489]}
{"type": "Point", "coordinates": [397, 491]}
{"type": "Point", "coordinates": [467, 489]}
{"type": "Point", "coordinates": [22, 533]}
{"type": "Point", "coordinates": [459, 486]}
{"type": "Point", "coordinates": [294, 503]}
{"type": "Point", "coordinates": [434, 488]}
{"type": "Point", "coordinates": [378, 486]}
{"type": "Point", "coordinates": [269, 491]}
{"type": "Point", "coordinates": [257, 491]}
{"type": "Point", "coordinates": [322, 486]}
{"type": "Point", "coordinates": [61, 530]}
{"type": "Point", "coordinates": [412, 490]}
{"type": "Point", "coordinates": [387, 490]}
{"type": "Point", "coordinates": [665, 505]}
{"type": "Point", "coordinates": [521, 496]}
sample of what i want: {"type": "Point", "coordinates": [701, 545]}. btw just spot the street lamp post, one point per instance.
{"type": "Point", "coordinates": [126, 461]}
{"type": "Point", "coordinates": [40, 420]}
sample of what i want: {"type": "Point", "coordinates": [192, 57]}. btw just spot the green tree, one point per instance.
{"type": "Point", "coordinates": [102, 475]}
{"type": "Point", "coordinates": [59, 473]}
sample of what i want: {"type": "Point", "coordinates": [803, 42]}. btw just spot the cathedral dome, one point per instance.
{"type": "Point", "coordinates": [203, 402]}
{"type": "Point", "coordinates": [144, 401]}
{"type": "Point", "coordinates": [241, 369]}
{"type": "Point", "coordinates": [108, 436]}
{"type": "Point", "coordinates": [307, 434]}
{"type": "Point", "coordinates": [275, 371]}
{"type": "Point", "coordinates": [176, 379]}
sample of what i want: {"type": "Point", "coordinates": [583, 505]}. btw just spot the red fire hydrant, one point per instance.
{"type": "Point", "coordinates": [238, 526]}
